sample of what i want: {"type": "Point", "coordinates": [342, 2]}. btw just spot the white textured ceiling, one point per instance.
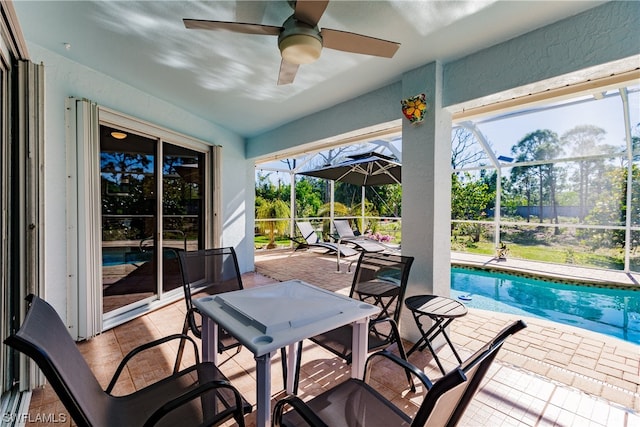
{"type": "Point", "coordinates": [230, 79]}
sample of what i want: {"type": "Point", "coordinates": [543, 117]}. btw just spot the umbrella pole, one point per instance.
{"type": "Point", "coordinates": [331, 217]}
{"type": "Point", "coordinates": [362, 230]}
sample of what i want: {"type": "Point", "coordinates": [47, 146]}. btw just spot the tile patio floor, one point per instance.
{"type": "Point", "coordinates": [548, 374]}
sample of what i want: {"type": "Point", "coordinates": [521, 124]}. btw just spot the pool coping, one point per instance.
{"type": "Point", "coordinates": [566, 274]}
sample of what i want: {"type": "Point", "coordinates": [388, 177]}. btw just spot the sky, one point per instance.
{"type": "Point", "coordinates": [606, 113]}
{"type": "Point", "coordinates": [505, 130]}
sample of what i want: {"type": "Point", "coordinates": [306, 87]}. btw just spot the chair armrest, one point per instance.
{"type": "Point", "coordinates": [300, 407]}
{"type": "Point", "coordinates": [144, 347]}
{"type": "Point", "coordinates": [409, 367]}
{"type": "Point", "coordinates": [191, 321]}
{"type": "Point", "coordinates": [195, 393]}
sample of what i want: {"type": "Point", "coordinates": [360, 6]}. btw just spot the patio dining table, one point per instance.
{"type": "Point", "coordinates": [267, 318]}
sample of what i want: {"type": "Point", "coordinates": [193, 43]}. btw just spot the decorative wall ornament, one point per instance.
{"type": "Point", "coordinates": [415, 108]}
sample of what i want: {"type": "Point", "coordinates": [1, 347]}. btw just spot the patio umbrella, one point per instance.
{"type": "Point", "coordinates": [366, 169]}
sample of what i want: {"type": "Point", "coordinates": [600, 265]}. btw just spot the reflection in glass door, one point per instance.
{"type": "Point", "coordinates": [128, 190]}
{"type": "Point", "coordinates": [182, 208]}
{"type": "Point", "coordinates": [134, 272]}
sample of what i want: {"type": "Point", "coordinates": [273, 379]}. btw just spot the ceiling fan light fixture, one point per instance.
{"type": "Point", "coordinates": [300, 48]}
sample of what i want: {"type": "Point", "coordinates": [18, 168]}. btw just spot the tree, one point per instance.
{"type": "Point", "coordinates": [585, 141]}
{"type": "Point", "coordinates": [465, 149]}
{"type": "Point", "coordinates": [128, 188]}
{"type": "Point", "coordinates": [272, 211]}
{"type": "Point", "coordinates": [308, 197]}
{"type": "Point", "coordinates": [538, 146]}
{"type": "Point", "coordinates": [469, 201]}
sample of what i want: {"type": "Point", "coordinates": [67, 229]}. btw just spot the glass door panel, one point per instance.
{"type": "Point", "coordinates": [182, 208]}
{"type": "Point", "coordinates": [128, 191]}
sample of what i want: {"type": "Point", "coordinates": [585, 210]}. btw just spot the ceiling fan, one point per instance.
{"type": "Point", "coordinates": [299, 39]}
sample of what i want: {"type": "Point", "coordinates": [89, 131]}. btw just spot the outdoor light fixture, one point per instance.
{"type": "Point", "coordinates": [299, 43]}
{"type": "Point", "coordinates": [118, 135]}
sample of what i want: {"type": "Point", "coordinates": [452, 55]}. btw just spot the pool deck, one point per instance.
{"type": "Point", "coordinates": [550, 374]}
{"type": "Point", "coordinates": [569, 273]}
{"type": "Point", "coordinates": [546, 375]}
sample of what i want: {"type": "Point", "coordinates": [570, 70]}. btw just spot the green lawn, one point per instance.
{"type": "Point", "coordinates": [555, 254]}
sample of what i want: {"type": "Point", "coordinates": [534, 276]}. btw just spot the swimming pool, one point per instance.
{"type": "Point", "coordinates": [615, 312]}
{"type": "Point", "coordinates": [114, 256]}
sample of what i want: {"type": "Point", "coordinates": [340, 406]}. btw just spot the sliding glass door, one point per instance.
{"type": "Point", "coordinates": [146, 220]}
{"type": "Point", "coordinates": [183, 172]}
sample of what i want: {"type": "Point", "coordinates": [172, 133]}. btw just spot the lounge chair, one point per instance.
{"type": "Point", "coordinates": [197, 395]}
{"type": "Point", "coordinates": [356, 403]}
{"type": "Point", "coordinates": [311, 240]}
{"type": "Point", "coordinates": [210, 271]}
{"type": "Point", "coordinates": [379, 279]}
{"type": "Point", "coordinates": [347, 235]}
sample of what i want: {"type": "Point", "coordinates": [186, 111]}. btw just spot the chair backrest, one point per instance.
{"type": "Point", "coordinates": [387, 268]}
{"type": "Point", "coordinates": [451, 404]}
{"type": "Point", "coordinates": [214, 269]}
{"type": "Point", "coordinates": [308, 233]}
{"type": "Point", "coordinates": [343, 229]}
{"type": "Point", "coordinates": [45, 339]}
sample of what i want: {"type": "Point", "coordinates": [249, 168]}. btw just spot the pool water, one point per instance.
{"type": "Point", "coordinates": [116, 256]}
{"type": "Point", "coordinates": [124, 255]}
{"type": "Point", "coordinates": [615, 312]}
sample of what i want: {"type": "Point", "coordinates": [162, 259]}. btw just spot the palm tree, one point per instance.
{"type": "Point", "coordinates": [272, 210]}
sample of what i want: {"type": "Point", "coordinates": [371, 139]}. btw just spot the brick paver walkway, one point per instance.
{"type": "Point", "coordinates": [597, 365]}
{"type": "Point", "coordinates": [547, 374]}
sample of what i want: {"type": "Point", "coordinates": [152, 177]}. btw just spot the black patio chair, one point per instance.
{"type": "Point", "coordinates": [380, 279]}
{"type": "Point", "coordinates": [211, 271]}
{"type": "Point", "coordinates": [199, 395]}
{"type": "Point", "coordinates": [356, 403]}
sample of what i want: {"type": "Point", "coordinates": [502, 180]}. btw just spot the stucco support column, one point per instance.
{"type": "Point", "coordinates": [426, 191]}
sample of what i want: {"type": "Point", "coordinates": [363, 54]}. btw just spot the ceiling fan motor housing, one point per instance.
{"type": "Point", "coordinates": [299, 43]}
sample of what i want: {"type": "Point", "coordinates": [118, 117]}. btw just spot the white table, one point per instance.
{"type": "Point", "coordinates": [267, 318]}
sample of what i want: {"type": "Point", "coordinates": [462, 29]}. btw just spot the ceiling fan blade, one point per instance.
{"type": "Point", "coordinates": [236, 27]}
{"type": "Point", "coordinates": [358, 43]}
{"type": "Point", "coordinates": [287, 72]}
{"type": "Point", "coordinates": [310, 11]}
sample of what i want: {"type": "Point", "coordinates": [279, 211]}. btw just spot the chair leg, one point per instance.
{"type": "Point", "coordinates": [296, 380]}
{"type": "Point", "coordinates": [403, 354]}
{"type": "Point", "coordinates": [185, 330]}
{"type": "Point", "coordinates": [283, 357]}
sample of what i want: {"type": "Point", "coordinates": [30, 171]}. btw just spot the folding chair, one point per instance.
{"type": "Point", "coordinates": [212, 271]}
{"type": "Point", "coordinates": [355, 403]}
{"type": "Point", "coordinates": [197, 395]}
{"type": "Point", "coordinates": [380, 279]}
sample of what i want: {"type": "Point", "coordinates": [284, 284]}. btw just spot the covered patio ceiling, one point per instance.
{"type": "Point", "coordinates": [230, 79]}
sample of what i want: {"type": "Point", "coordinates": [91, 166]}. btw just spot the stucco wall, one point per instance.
{"type": "Point", "coordinates": [64, 78]}
{"type": "Point", "coordinates": [379, 106]}
{"type": "Point", "coordinates": [598, 36]}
